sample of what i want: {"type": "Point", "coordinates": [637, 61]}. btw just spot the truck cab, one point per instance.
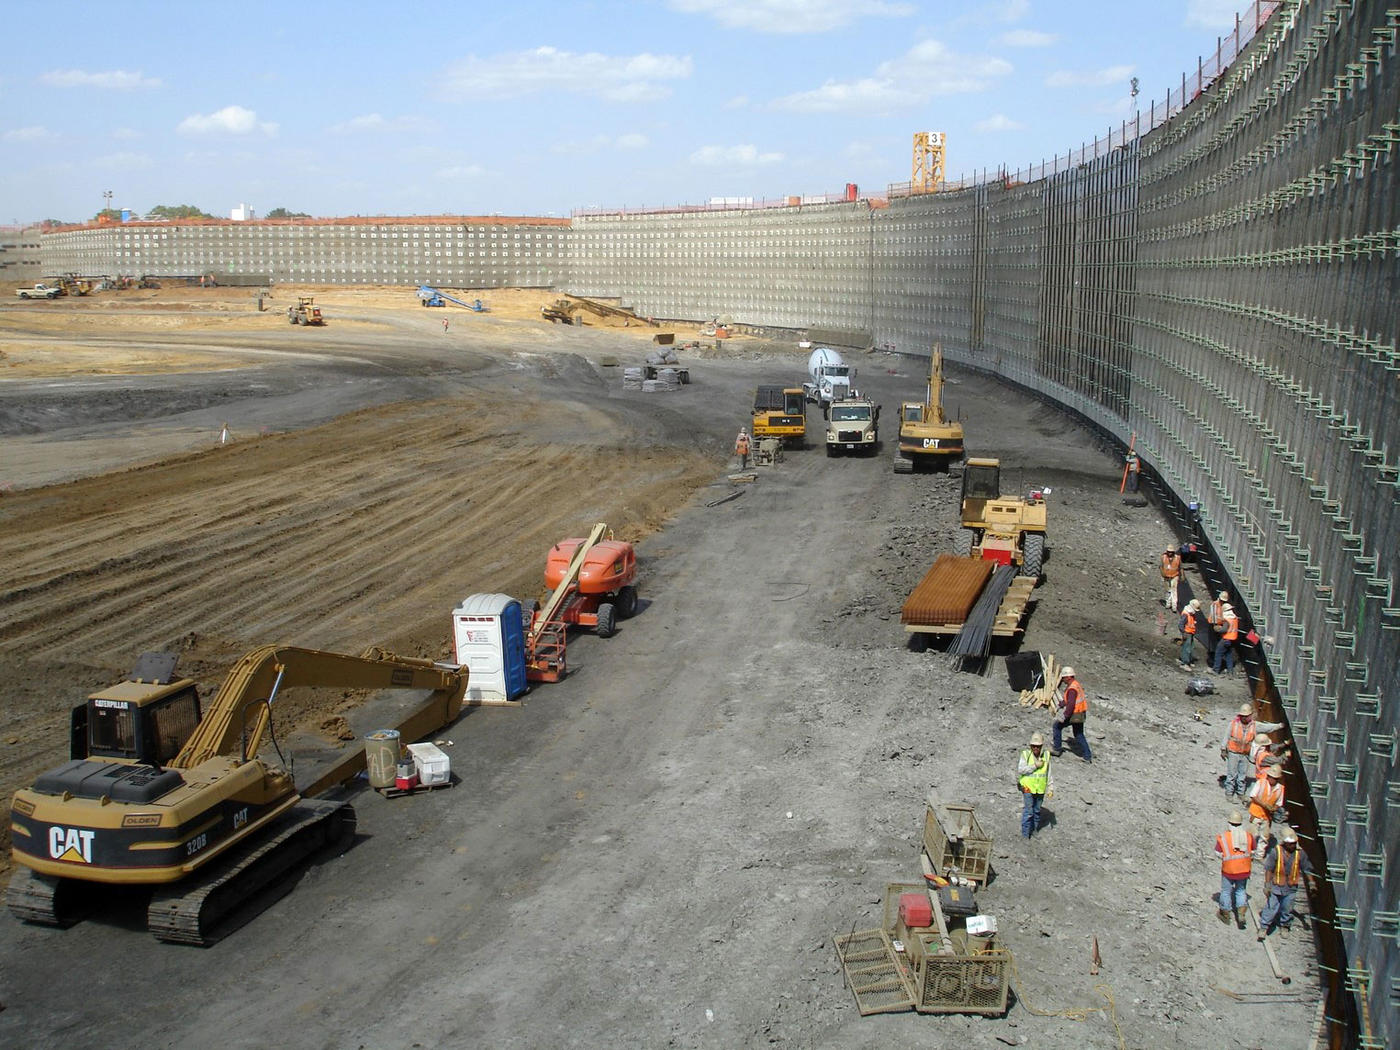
{"type": "Point", "coordinates": [852, 425]}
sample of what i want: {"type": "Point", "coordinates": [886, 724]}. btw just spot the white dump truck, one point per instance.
{"type": "Point", "coordinates": [852, 425]}
{"type": "Point", "coordinates": [831, 378]}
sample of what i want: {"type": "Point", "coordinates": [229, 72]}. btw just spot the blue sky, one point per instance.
{"type": "Point", "coordinates": [535, 108]}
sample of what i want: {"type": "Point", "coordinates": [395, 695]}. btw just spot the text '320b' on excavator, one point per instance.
{"type": "Point", "coordinates": [159, 794]}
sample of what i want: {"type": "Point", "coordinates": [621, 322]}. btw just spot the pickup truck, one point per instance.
{"type": "Point", "coordinates": [39, 291]}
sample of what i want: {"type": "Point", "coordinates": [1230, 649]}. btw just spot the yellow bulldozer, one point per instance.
{"type": "Point", "coordinates": [1008, 530]}
{"type": "Point", "coordinates": [161, 794]}
{"type": "Point", "coordinates": [928, 439]}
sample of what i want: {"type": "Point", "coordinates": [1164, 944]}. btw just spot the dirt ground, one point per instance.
{"type": "Point", "coordinates": [659, 850]}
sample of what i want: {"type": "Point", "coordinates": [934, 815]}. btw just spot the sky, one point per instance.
{"type": "Point", "coordinates": [537, 108]}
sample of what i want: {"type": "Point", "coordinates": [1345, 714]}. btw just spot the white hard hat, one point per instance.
{"type": "Point", "coordinates": [1067, 672]}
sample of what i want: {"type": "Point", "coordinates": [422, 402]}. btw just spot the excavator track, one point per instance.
{"type": "Point", "coordinates": [43, 900]}
{"type": "Point", "coordinates": [200, 909]}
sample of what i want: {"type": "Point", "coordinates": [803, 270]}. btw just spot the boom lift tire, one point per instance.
{"type": "Point", "coordinates": [1034, 555]}
{"type": "Point", "coordinates": [627, 603]}
{"type": "Point", "coordinates": [607, 620]}
{"type": "Point", "coordinates": [962, 543]}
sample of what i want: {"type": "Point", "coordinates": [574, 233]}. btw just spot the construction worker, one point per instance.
{"type": "Point", "coordinates": [1188, 625]}
{"type": "Point", "coordinates": [1072, 706]}
{"type": "Point", "coordinates": [1285, 868]}
{"type": "Point", "coordinates": [1265, 801]}
{"type": "Point", "coordinates": [1263, 754]}
{"type": "Point", "coordinates": [1213, 618]}
{"type": "Point", "coordinates": [1033, 776]}
{"type": "Point", "coordinates": [1171, 573]}
{"type": "Point", "coordinates": [1225, 648]}
{"type": "Point", "coordinates": [1236, 848]}
{"type": "Point", "coordinates": [1134, 469]}
{"type": "Point", "coordinates": [1235, 747]}
{"type": "Point", "coordinates": [741, 448]}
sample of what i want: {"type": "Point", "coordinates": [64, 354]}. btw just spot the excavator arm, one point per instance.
{"type": "Point", "coordinates": [243, 703]}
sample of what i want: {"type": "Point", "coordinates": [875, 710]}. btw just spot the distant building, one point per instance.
{"type": "Point", "coordinates": [242, 213]}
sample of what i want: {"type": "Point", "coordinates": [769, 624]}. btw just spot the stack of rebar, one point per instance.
{"type": "Point", "coordinates": [975, 639]}
{"type": "Point", "coordinates": [947, 591]}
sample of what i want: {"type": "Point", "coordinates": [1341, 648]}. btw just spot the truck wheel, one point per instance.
{"type": "Point", "coordinates": [528, 608]}
{"type": "Point", "coordinates": [1033, 553]}
{"type": "Point", "coordinates": [607, 621]}
{"type": "Point", "coordinates": [627, 603]}
{"type": "Point", "coordinates": [962, 543]}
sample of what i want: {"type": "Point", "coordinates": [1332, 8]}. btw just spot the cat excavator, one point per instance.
{"type": "Point", "coordinates": [927, 437]}
{"type": "Point", "coordinates": [159, 793]}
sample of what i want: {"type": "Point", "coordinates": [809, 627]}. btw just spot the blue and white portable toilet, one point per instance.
{"type": "Point", "coordinates": [490, 641]}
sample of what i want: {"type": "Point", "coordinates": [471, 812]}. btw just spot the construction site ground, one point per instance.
{"type": "Point", "coordinates": [660, 850]}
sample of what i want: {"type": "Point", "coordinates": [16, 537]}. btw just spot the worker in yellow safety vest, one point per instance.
{"type": "Point", "coordinates": [1286, 866]}
{"type": "Point", "coordinates": [1235, 846]}
{"type": "Point", "coordinates": [1033, 777]}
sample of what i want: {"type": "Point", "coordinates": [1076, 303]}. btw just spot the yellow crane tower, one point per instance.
{"type": "Point", "coordinates": [929, 157]}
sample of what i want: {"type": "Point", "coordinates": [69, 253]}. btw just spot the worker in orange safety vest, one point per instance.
{"type": "Point", "coordinates": [1189, 625]}
{"type": "Point", "coordinates": [1171, 572]}
{"type": "Point", "coordinates": [1071, 708]}
{"type": "Point", "coordinates": [1235, 748]}
{"type": "Point", "coordinates": [1229, 629]}
{"type": "Point", "coordinates": [1236, 848]}
{"type": "Point", "coordinates": [1265, 800]}
{"type": "Point", "coordinates": [741, 448]}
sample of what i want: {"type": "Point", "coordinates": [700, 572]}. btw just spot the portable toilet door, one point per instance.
{"type": "Point", "coordinates": [489, 640]}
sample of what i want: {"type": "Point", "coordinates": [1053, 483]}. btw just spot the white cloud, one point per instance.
{"type": "Point", "coordinates": [737, 102]}
{"type": "Point", "coordinates": [1213, 14]}
{"type": "Point", "coordinates": [926, 70]}
{"type": "Point", "coordinates": [1093, 78]}
{"type": "Point", "coordinates": [999, 122]}
{"type": "Point", "coordinates": [1027, 38]}
{"type": "Point", "coordinates": [231, 120]}
{"type": "Point", "coordinates": [733, 156]}
{"type": "Point", "coordinates": [372, 122]}
{"type": "Point", "coordinates": [618, 78]}
{"type": "Point", "coordinates": [599, 143]}
{"type": "Point", "coordinates": [123, 161]}
{"type": "Point", "coordinates": [791, 16]}
{"type": "Point", "coordinates": [125, 133]}
{"type": "Point", "coordinates": [35, 133]}
{"type": "Point", "coordinates": [461, 171]}
{"type": "Point", "coordinates": [115, 80]}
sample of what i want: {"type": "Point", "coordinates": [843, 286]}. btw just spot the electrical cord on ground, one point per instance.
{"type": "Point", "coordinates": [1078, 1013]}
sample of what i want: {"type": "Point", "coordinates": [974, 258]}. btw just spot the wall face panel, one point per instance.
{"type": "Point", "coordinates": [462, 253]}
{"type": "Point", "coordinates": [1224, 289]}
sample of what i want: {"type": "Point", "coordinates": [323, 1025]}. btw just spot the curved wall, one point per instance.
{"type": "Point", "coordinates": [1223, 289]}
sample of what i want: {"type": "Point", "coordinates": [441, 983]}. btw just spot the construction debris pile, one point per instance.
{"type": "Point", "coordinates": [662, 371]}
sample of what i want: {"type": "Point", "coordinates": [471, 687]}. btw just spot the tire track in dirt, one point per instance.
{"type": "Point", "coordinates": [366, 530]}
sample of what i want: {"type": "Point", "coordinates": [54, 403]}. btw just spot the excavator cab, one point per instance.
{"type": "Point", "coordinates": [981, 480]}
{"type": "Point", "coordinates": [142, 721]}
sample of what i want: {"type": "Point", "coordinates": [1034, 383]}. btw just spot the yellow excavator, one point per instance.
{"type": "Point", "coordinates": [158, 793]}
{"type": "Point", "coordinates": [927, 437]}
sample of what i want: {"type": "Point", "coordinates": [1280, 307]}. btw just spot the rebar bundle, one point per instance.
{"type": "Point", "coordinates": [975, 639]}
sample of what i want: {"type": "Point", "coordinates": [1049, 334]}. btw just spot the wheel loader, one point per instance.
{"type": "Point", "coordinates": [160, 793]}
{"type": "Point", "coordinates": [1008, 530]}
{"type": "Point", "coordinates": [305, 311]}
{"type": "Point", "coordinates": [927, 437]}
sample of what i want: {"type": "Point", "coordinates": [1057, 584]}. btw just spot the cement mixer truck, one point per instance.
{"type": "Point", "coordinates": [831, 378]}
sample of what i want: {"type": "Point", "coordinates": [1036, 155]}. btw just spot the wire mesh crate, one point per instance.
{"type": "Point", "coordinates": [955, 842]}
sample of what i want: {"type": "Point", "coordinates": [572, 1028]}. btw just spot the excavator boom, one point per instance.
{"type": "Point", "coordinates": [256, 679]}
